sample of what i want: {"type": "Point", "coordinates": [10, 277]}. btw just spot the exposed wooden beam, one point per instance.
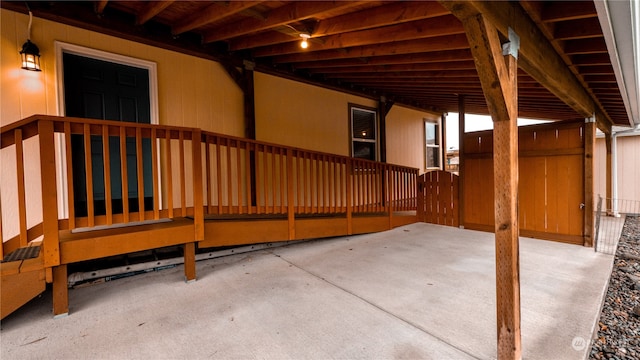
{"type": "Point", "coordinates": [454, 66]}
{"type": "Point", "coordinates": [440, 26]}
{"type": "Point", "coordinates": [449, 42]}
{"type": "Point", "coordinates": [292, 12]}
{"type": "Point", "coordinates": [99, 6]}
{"type": "Point", "coordinates": [438, 59]}
{"type": "Point", "coordinates": [391, 14]}
{"type": "Point", "coordinates": [263, 39]}
{"type": "Point", "coordinates": [498, 75]}
{"type": "Point", "coordinates": [411, 74]}
{"type": "Point", "coordinates": [212, 13]}
{"type": "Point", "coordinates": [537, 55]}
{"type": "Point", "coordinates": [151, 9]}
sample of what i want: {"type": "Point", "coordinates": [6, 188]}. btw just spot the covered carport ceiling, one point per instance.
{"type": "Point", "coordinates": [412, 53]}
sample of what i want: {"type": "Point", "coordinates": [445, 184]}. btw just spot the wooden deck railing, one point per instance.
{"type": "Point", "coordinates": [121, 173]}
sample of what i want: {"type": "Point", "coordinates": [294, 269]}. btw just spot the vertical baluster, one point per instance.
{"type": "Point", "coordinates": [339, 182]}
{"type": "Point", "coordinates": [124, 175]}
{"type": "Point", "coordinates": [274, 183]}
{"type": "Point", "coordinates": [247, 179]}
{"type": "Point", "coordinates": [229, 179]}
{"type": "Point", "coordinates": [256, 169]}
{"type": "Point", "coordinates": [265, 177]}
{"type": "Point", "coordinates": [290, 192]}
{"type": "Point", "coordinates": [168, 159]}
{"type": "Point", "coordinates": [183, 177]}
{"type": "Point", "coordinates": [219, 172]}
{"type": "Point", "coordinates": [69, 172]}
{"type": "Point", "coordinates": [301, 197]}
{"type": "Point", "coordinates": [284, 171]}
{"type": "Point", "coordinates": [207, 159]}
{"type": "Point", "coordinates": [239, 176]}
{"type": "Point", "coordinates": [319, 182]}
{"type": "Point", "coordinates": [140, 171]}
{"type": "Point", "coordinates": [154, 173]}
{"type": "Point", "coordinates": [89, 175]}
{"type": "Point", "coordinates": [106, 159]}
{"type": "Point", "coordinates": [22, 206]}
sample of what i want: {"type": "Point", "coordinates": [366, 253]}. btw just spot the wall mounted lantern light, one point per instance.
{"type": "Point", "coordinates": [30, 53]}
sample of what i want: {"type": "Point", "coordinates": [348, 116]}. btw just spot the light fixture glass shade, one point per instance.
{"type": "Point", "coordinates": [30, 56]}
{"type": "Point", "coordinates": [304, 43]}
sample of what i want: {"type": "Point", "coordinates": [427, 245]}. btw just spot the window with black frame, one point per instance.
{"type": "Point", "coordinates": [363, 133]}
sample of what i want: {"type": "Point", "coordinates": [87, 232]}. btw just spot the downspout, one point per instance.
{"type": "Point", "coordinates": [614, 166]}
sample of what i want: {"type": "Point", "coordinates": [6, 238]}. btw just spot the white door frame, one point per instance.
{"type": "Point", "coordinates": [62, 48]}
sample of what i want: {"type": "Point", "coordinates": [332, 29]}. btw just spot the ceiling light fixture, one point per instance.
{"type": "Point", "coordinates": [30, 53]}
{"type": "Point", "coordinates": [304, 43]}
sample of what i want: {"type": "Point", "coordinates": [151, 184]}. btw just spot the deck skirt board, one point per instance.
{"type": "Point", "coordinates": [77, 247]}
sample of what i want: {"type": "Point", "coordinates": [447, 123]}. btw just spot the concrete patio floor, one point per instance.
{"type": "Point", "coordinates": [417, 292]}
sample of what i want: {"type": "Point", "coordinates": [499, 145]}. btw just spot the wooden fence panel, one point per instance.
{"type": "Point", "coordinates": [438, 198]}
{"type": "Point", "coordinates": [551, 181]}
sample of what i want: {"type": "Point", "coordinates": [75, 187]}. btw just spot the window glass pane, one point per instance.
{"type": "Point", "coordinates": [364, 124]}
{"type": "Point", "coordinates": [433, 158]}
{"type": "Point", "coordinates": [364, 150]}
{"type": "Point", "coordinates": [431, 130]}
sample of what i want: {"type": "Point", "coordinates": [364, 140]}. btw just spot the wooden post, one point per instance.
{"type": "Point", "coordinates": [589, 146]}
{"type": "Point", "coordinates": [60, 291]}
{"type": "Point", "coordinates": [384, 106]}
{"type": "Point", "coordinates": [609, 175]}
{"type": "Point", "coordinates": [349, 184]}
{"type": "Point", "coordinates": [198, 207]}
{"type": "Point", "coordinates": [461, 125]}
{"type": "Point", "coordinates": [51, 241]}
{"type": "Point", "coordinates": [248, 90]}
{"type": "Point", "coordinates": [497, 69]}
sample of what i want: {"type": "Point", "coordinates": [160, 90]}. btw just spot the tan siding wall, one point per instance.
{"type": "Point", "coordinates": [192, 92]}
{"type": "Point", "coordinates": [628, 168]}
{"type": "Point", "coordinates": [405, 136]}
{"type": "Point", "coordinates": [306, 116]}
{"type": "Point", "coordinates": [301, 115]}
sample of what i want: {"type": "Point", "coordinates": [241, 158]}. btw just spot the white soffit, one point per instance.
{"type": "Point", "coordinates": [621, 29]}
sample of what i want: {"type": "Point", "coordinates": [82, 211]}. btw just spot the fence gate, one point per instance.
{"type": "Point", "coordinates": [438, 198]}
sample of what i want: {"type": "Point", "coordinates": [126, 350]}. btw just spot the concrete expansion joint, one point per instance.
{"type": "Point", "coordinates": [398, 317]}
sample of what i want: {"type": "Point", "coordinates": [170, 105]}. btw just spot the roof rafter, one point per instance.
{"type": "Point", "coordinates": [391, 14]}
{"type": "Point", "coordinates": [211, 13]}
{"type": "Point", "coordinates": [295, 11]}
{"type": "Point", "coordinates": [448, 42]}
{"type": "Point", "coordinates": [439, 26]}
{"type": "Point", "coordinates": [151, 9]}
